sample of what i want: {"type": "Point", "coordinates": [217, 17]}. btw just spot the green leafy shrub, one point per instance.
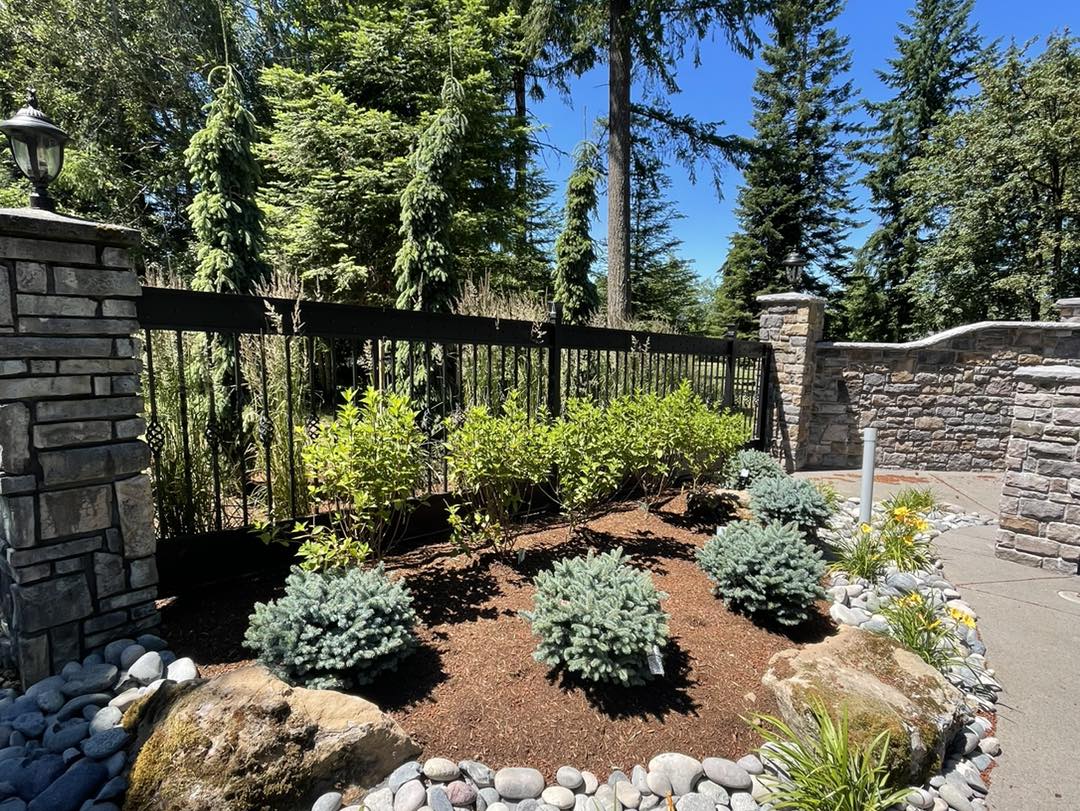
{"type": "Point", "coordinates": [336, 629]}
{"type": "Point", "coordinates": [702, 440]}
{"type": "Point", "coordinates": [749, 466]}
{"type": "Point", "coordinates": [830, 494]}
{"type": "Point", "coordinates": [599, 618]}
{"type": "Point", "coordinates": [494, 459]}
{"type": "Point", "coordinates": [789, 501]}
{"type": "Point", "coordinates": [826, 771]}
{"type": "Point", "coordinates": [368, 462]}
{"type": "Point", "coordinates": [589, 455]}
{"type": "Point", "coordinates": [770, 572]}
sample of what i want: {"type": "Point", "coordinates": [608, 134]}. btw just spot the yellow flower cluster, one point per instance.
{"type": "Point", "coordinates": [962, 617]}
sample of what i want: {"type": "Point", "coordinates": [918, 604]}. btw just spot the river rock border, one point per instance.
{"type": "Point", "coordinates": [63, 746]}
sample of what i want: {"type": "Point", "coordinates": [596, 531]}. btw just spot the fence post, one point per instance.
{"type": "Point", "coordinates": [764, 401]}
{"type": "Point", "coordinates": [77, 542]}
{"type": "Point", "coordinates": [554, 391]}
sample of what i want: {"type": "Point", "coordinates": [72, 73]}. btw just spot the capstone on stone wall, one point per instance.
{"type": "Point", "coordinates": [941, 403]}
{"type": "Point", "coordinates": [1040, 495]}
{"type": "Point", "coordinates": [77, 542]}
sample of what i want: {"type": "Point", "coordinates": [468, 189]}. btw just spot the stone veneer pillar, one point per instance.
{"type": "Point", "coordinates": [793, 324]}
{"type": "Point", "coordinates": [1069, 309]}
{"type": "Point", "coordinates": [1040, 495]}
{"type": "Point", "coordinates": [77, 542]}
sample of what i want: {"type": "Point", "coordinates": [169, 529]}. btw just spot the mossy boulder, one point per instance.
{"type": "Point", "coordinates": [881, 686]}
{"type": "Point", "coordinates": [246, 740]}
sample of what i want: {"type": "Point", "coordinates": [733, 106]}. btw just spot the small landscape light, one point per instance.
{"type": "Point", "coordinates": [793, 264]}
{"type": "Point", "coordinates": [37, 145]}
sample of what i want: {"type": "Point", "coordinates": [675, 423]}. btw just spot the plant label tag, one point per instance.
{"type": "Point", "coordinates": [656, 663]}
{"type": "Point", "coordinates": [521, 555]}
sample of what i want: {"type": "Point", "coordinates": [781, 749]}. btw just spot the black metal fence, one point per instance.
{"type": "Point", "coordinates": [279, 365]}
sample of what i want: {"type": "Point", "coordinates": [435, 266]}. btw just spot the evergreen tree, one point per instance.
{"type": "Point", "coordinates": [665, 286]}
{"type": "Point", "coordinates": [936, 54]}
{"type": "Point", "coordinates": [646, 38]}
{"type": "Point", "coordinates": [353, 88]}
{"type": "Point", "coordinates": [224, 215]}
{"type": "Point", "coordinates": [575, 250]}
{"type": "Point", "coordinates": [998, 185]}
{"type": "Point", "coordinates": [795, 193]}
{"type": "Point", "coordinates": [426, 276]}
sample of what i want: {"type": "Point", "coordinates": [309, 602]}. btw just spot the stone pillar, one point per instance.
{"type": "Point", "coordinates": [793, 324]}
{"type": "Point", "coordinates": [77, 540]}
{"type": "Point", "coordinates": [1069, 309]}
{"type": "Point", "coordinates": [1040, 494]}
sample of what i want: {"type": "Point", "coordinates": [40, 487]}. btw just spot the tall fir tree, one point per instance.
{"type": "Point", "coordinates": [225, 216]}
{"type": "Point", "coordinates": [998, 185]}
{"type": "Point", "coordinates": [936, 53]}
{"type": "Point", "coordinates": [426, 276]}
{"type": "Point", "coordinates": [665, 286]}
{"type": "Point", "coordinates": [575, 250]}
{"type": "Point", "coordinates": [644, 39]}
{"type": "Point", "coordinates": [795, 193]}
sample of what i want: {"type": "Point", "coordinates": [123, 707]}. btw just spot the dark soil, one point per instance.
{"type": "Point", "coordinates": [473, 689]}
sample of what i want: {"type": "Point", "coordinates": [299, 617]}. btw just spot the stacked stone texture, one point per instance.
{"type": "Point", "coordinates": [942, 403]}
{"type": "Point", "coordinates": [77, 544]}
{"type": "Point", "coordinates": [1040, 495]}
{"type": "Point", "coordinates": [792, 323]}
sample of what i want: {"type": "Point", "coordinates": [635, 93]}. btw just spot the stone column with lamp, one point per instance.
{"type": "Point", "coordinates": [77, 542]}
{"type": "Point", "coordinates": [793, 324]}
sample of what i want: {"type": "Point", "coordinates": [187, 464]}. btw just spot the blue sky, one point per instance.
{"type": "Point", "coordinates": [721, 89]}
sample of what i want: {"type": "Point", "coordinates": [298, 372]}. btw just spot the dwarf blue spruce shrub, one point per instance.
{"type": "Point", "coordinates": [789, 500]}
{"type": "Point", "coordinates": [599, 618]}
{"type": "Point", "coordinates": [334, 629]}
{"type": "Point", "coordinates": [756, 464]}
{"type": "Point", "coordinates": [770, 573]}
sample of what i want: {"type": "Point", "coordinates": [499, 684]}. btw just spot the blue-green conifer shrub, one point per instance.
{"type": "Point", "coordinates": [756, 464]}
{"type": "Point", "coordinates": [335, 629]}
{"type": "Point", "coordinates": [770, 573]}
{"type": "Point", "coordinates": [788, 500]}
{"type": "Point", "coordinates": [599, 618]}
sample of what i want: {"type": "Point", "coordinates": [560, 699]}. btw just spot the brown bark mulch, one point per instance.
{"type": "Point", "coordinates": [473, 689]}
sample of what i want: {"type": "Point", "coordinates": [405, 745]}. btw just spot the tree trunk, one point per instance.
{"type": "Point", "coordinates": [521, 157]}
{"type": "Point", "coordinates": [618, 283]}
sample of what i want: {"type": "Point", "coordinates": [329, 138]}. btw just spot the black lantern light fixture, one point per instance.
{"type": "Point", "coordinates": [37, 145]}
{"type": "Point", "coordinates": [793, 268]}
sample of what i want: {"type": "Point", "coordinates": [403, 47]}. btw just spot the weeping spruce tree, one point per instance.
{"type": "Point", "coordinates": [224, 215]}
{"type": "Point", "coordinates": [575, 251]}
{"type": "Point", "coordinates": [425, 266]}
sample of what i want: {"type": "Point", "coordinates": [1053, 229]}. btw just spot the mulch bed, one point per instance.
{"type": "Point", "coordinates": [473, 690]}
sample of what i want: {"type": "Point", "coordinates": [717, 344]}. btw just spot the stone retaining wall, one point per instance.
{"type": "Point", "coordinates": [940, 403]}
{"type": "Point", "coordinates": [77, 544]}
{"type": "Point", "coordinates": [1040, 495]}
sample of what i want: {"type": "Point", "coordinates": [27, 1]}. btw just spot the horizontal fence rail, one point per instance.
{"type": "Point", "coordinates": [234, 385]}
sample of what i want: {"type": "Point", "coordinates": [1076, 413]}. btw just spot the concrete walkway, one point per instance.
{"type": "Point", "coordinates": [1033, 639]}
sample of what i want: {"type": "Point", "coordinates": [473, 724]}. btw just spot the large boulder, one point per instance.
{"type": "Point", "coordinates": [881, 686]}
{"type": "Point", "coordinates": [246, 740]}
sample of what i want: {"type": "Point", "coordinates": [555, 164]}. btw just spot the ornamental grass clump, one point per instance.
{"type": "Point", "coordinates": [825, 770]}
{"type": "Point", "coordinates": [770, 573]}
{"type": "Point", "coordinates": [334, 629]}
{"type": "Point", "coordinates": [790, 501]}
{"type": "Point", "coordinates": [749, 466]}
{"type": "Point", "coordinates": [598, 618]}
